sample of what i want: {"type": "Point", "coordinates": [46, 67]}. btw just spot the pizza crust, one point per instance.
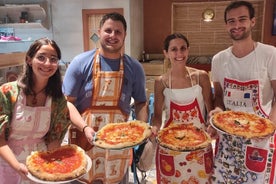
{"type": "Point", "coordinates": [41, 163]}
{"type": "Point", "coordinates": [243, 124]}
{"type": "Point", "coordinates": [183, 137]}
{"type": "Point", "coordinates": [122, 135]}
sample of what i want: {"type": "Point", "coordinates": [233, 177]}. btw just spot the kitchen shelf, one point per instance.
{"type": "Point", "coordinates": [12, 59]}
{"type": "Point", "coordinates": [38, 16]}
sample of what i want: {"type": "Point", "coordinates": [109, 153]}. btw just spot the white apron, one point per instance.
{"type": "Point", "coordinates": [239, 160]}
{"type": "Point", "coordinates": [109, 166]}
{"type": "Point", "coordinates": [28, 127]}
{"type": "Point", "coordinates": [191, 166]}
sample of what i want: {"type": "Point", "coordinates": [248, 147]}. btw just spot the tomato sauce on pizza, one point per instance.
{"type": "Point", "coordinates": [62, 161]}
{"type": "Point", "coordinates": [122, 135]}
{"type": "Point", "coordinates": [243, 124]}
{"type": "Point", "coordinates": [118, 134]}
{"type": "Point", "coordinates": [66, 162]}
{"type": "Point", "coordinates": [183, 137]}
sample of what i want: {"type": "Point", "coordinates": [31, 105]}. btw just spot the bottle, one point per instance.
{"type": "Point", "coordinates": [6, 19]}
{"type": "Point", "coordinates": [143, 56]}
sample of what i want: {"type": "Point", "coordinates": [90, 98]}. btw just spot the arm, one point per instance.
{"type": "Point", "coordinates": [158, 104]}
{"type": "Point", "coordinates": [218, 107]}
{"type": "Point", "coordinates": [7, 154]}
{"type": "Point", "coordinates": [272, 114]}
{"type": "Point", "coordinates": [141, 111]}
{"type": "Point", "coordinates": [70, 99]}
{"type": "Point", "coordinates": [6, 106]}
{"type": "Point", "coordinates": [205, 83]}
{"type": "Point", "coordinates": [218, 99]}
{"type": "Point", "coordinates": [78, 121]}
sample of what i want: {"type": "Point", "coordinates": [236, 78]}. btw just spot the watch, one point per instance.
{"type": "Point", "coordinates": [208, 14]}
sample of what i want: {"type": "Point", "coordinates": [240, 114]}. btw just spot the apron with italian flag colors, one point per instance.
{"type": "Point", "coordinates": [190, 166]}
{"type": "Point", "coordinates": [109, 166]}
{"type": "Point", "coordinates": [237, 159]}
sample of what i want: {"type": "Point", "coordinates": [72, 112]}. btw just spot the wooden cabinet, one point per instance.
{"type": "Point", "coordinates": [152, 70]}
{"type": "Point", "coordinates": [25, 15]}
{"type": "Point", "coordinates": [12, 59]}
{"type": "Point", "coordinates": [11, 65]}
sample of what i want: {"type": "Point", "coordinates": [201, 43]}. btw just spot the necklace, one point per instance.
{"type": "Point", "coordinates": [34, 100]}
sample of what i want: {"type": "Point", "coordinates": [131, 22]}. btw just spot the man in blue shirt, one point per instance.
{"type": "Point", "coordinates": [101, 83]}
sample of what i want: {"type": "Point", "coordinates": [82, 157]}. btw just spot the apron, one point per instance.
{"type": "Point", "coordinates": [109, 166]}
{"type": "Point", "coordinates": [240, 160]}
{"type": "Point", "coordinates": [28, 127]}
{"type": "Point", "coordinates": [191, 166]}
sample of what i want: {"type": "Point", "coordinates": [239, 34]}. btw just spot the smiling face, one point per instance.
{"type": "Point", "coordinates": [44, 63]}
{"type": "Point", "coordinates": [177, 51]}
{"type": "Point", "coordinates": [112, 36]}
{"type": "Point", "coordinates": [238, 23]}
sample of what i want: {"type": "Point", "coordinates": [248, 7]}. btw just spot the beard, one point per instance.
{"type": "Point", "coordinates": [246, 33]}
{"type": "Point", "coordinates": [111, 48]}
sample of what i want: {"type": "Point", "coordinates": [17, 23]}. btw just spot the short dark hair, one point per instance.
{"type": "Point", "coordinates": [115, 17]}
{"type": "Point", "coordinates": [54, 85]}
{"type": "Point", "coordinates": [174, 36]}
{"type": "Point", "coordinates": [237, 4]}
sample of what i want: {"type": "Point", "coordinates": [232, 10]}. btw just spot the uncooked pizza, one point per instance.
{"type": "Point", "coordinates": [122, 135]}
{"type": "Point", "coordinates": [64, 163]}
{"type": "Point", "coordinates": [183, 137]}
{"type": "Point", "coordinates": [243, 124]}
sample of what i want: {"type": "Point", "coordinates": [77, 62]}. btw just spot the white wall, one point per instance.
{"type": "Point", "coordinates": [68, 30]}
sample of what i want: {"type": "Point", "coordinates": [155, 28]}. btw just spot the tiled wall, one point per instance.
{"type": "Point", "coordinates": [207, 38]}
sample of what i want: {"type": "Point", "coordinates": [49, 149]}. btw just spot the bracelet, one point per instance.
{"type": "Point", "coordinates": [84, 128]}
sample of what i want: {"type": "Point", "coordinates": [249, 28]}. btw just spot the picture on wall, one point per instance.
{"type": "Point", "coordinates": [274, 21]}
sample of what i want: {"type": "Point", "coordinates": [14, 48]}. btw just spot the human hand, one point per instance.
{"type": "Point", "coordinates": [215, 111]}
{"type": "Point", "coordinates": [212, 132]}
{"type": "Point", "coordinates": [89, 133]}
{"type": "Point", "coordinates": [154, 131]}
{"type": "Point", "coordinates": [22, 170]}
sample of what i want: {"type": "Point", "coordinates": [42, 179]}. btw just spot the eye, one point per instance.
{"type": "Point", "coordinates": [173, 49]}
{"type": "Point", "coordinates": [108, 31]}
{"type": "Point", "coordinates": [230, 21]}
{"type": "Point", "coordinates": [183, 48]}
{"type": "Point", "coordinates": [54, 60]}
{"type": "Point", "coordinates": [243, 19]}
{"type": "Point", "coordinates": [117, 32]}
{"type": "Point", "coordinates": [41, 58]}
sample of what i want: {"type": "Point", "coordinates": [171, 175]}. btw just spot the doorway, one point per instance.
{"type": "Point", "coordinates": [90, 21]}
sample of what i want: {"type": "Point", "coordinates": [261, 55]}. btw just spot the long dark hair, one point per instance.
{"type": "Point", "coordinates": [26, 82]}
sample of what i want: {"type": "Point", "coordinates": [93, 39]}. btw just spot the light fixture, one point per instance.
{"type": "Point", "coordinates": [208, 15]}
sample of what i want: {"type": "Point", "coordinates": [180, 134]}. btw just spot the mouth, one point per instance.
{"type": "Point", "coordinates": [236, 31]}
{"type": "Point", "coordinates": [46, 70]}
{"type": "Point", "coordinates": [179, 59]}
{"type": "Point", "coordinates": [111, 41]}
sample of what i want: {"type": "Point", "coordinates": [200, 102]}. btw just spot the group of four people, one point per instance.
{"type": "Point", "coordinates": [37, 109]}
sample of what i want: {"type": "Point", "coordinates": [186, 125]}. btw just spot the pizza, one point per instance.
{"type": "Point", "coordinates": [64, 163]}
{"type": "Point", "coordinates": [122, 135]}
{"type": "Point", "coordinates": [243, 124]}
{"type": "Point", "coordinates": [183, 137]}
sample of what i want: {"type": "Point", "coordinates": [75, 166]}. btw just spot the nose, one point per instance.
{"type": "Point", "coordinates": [180, 53]}
{"type": "Point", "coordinates": [112, 33]}
{"type": "Point", "coordinates": [47, 61]}
{"type": "Point", "coordinates": [235, 23]}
